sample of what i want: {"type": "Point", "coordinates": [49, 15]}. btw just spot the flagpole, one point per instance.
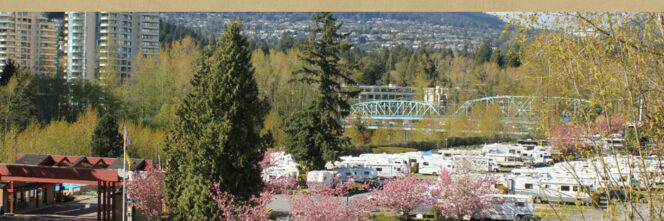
{"type": "Point", "coordinates": [124, 174]}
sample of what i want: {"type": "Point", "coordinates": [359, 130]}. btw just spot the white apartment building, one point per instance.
{"type": "Point", "coordinates": [436, 95]}
{"type": "Point", "coordinates": [30, 40]}
{"type": "Point", "coordinates": [94, 39]}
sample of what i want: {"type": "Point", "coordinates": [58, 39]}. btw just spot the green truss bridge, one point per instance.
{"type": "Point", "coordinates": [513, 108]}
{"type": "Point", "coordinates": [396, 109]}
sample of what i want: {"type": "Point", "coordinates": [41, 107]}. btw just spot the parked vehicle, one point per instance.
{"type": "Point", "coordinates": [358, 174]}
{"type": "Point", "coordinates": [554, 189]}
{"type": "Point", "coordinates": [321, 177]}
{"type": "Point", "coordinates": [510, 207]}
{"type": "Point", "coordinates": [507, 160]}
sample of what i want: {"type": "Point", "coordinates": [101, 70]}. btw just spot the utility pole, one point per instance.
{"type": "Point", "coordinates": [124, 175]}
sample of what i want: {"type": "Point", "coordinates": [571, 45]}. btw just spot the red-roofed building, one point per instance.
{"type": "Point", "coordinates": [30, 182]}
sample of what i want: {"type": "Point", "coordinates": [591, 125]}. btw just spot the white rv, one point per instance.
{"type": "Point", "coordinates": [498, 148]}
{"type": "Point", "coordinates": [358, 174]}
{"type": "Point", "coordinates": [476, 164]}
{"type": "Point", "coordinates": [554, 189]}
{"type": "Point", "coordinates": [282, 166]}
{"type": "Point", "coordinates": [386, 165]}
{"type": "Point", "coordinates": [433, 164]}
{"type": "Point", "coordinates": [510, 207]}
{"type": "Point", "coordinates": [507, 160]}
{"type": "Point", "coordinates": [321, 177]}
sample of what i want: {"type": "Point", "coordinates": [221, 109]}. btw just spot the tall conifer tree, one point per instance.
{"type": "Point", "coordinates": [320, 122]}
{"type": "Point", "coordinates": [106, 140]}
{"type": "Point", "coordinates": [216, 133]}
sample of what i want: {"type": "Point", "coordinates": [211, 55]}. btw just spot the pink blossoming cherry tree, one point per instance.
{"type": "Point", "coordinates": [145, 190]}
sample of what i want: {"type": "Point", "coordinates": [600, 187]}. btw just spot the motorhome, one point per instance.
{"type": "Point", "coordinates": [507, 160]}
{"type": "Point", "coordinates": [498, 148]}
{"type": "Point", "coordinates": [509, 207]}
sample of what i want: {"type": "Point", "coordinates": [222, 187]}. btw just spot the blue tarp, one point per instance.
{"type": "Point", "coordinates": [428, 153]}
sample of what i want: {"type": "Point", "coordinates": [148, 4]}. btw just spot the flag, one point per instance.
{"type": "Point", "coordinates": [127, 142]}
{"type": "Point", "coordinates": [126, 136]}
{"type": "Point", "coordinates": [129, 163]}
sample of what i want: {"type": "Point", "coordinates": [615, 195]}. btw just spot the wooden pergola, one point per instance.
{"type": "Point", "coordinates": [42, 169]}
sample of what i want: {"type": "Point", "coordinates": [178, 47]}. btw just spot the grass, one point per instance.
{"type": "Point", "coordinates": [392, 150]}
{"type": "Point", "coordinates": [391, 216]}
{"type": "Point", "coordinates": [385, 216]}
{"type": "Point", "coordinates": [552, 211]}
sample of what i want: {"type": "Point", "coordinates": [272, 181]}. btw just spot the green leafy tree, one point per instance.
{"type": "Point", "coordinates": [106, 139]}
{"type": "Point", "coordinates": [17, 99]}
{"type": "Point", "coordinates": [216, 133]}
{"type": "Point", "coordinates": [323, 70]}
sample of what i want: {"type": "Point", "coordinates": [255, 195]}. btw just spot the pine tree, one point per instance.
{"type": "Point", "coordinates": [325, 71]}
{"type": "Point", "coordinates": [216, 132]}
{"type": "Point", "coordinates": [106, 139]}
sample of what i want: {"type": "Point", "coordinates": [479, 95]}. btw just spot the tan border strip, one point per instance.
{"type": "Point", "coordinates": [332, 5]}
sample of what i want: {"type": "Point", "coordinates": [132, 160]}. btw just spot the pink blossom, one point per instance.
{"type": "Point", "coordinates": [567, 137]}
{"type": "Point", "coordinates": [571, 137]}
{"type": "Point", "coordinates": [146, 191]}
{"type": "Point", "coordinates": [403, 194]}
{"type": "Point", "coordinates": [254, 208]}
{"type": "Point", "coordinates": [463, 195]}
{"type": "Point", "coordinates": [321, 202]}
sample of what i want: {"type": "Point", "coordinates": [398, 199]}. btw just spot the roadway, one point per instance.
{"type": "Point", "coordinates": [82, 210]}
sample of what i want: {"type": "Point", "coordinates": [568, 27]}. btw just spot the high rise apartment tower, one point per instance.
{"type": "Point", "coordinates": [29, 39]}
{"type": "Point", "coordinates": [93, 40]}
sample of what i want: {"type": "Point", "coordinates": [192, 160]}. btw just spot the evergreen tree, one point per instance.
{"type": "Point", "coordinates": [17, 96]}
{"type": "Point", "coordinates": [513, 59]}
{"type": "Point", "coordinates": [7, 72]}
{"type": "Point", "coordinates": [106, 139]}
{"type": "Point", "coordinates": [483, 53]}
{"type": "Point", "coordinates": [216, 132]}
{"type": "Point", "coordinates": [497, 57]}
{"type": "Point", "coordinates": [52, 98]}
{"type": "Point", "coordinates": [371, 72]}
{"type": "Point", "coordinates": [332, 80]}
{"type": "Point", "coordinates": [285, 42]}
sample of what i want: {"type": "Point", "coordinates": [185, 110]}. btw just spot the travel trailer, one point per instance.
{"type": "Point", "coordinates": [358, 174]}
{"type": "Point", "coordinates": [433, 164]}
{"type": "Point", "coordinates": [549, 189]}
{"type": "Point", "coordinates": [321, 177]}
{"type": "Point", "coordinates": [476, 164]}
{"type": "Point", "coordinates": [527, 149]}
{"type": "Point", "coordinates": [386, 165]}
